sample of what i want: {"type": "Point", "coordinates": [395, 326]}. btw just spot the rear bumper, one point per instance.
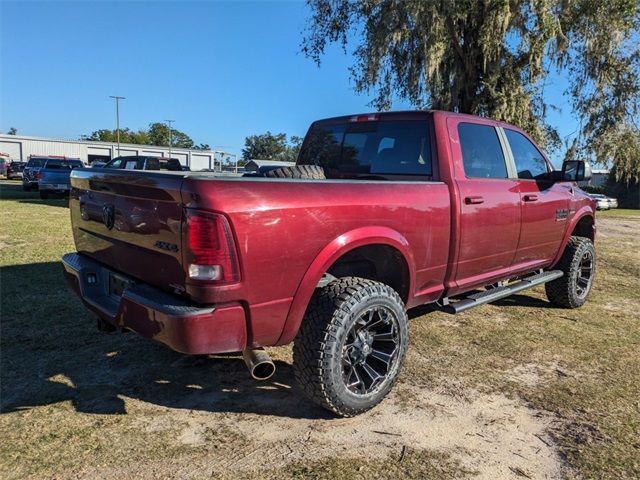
{"type": "Point", "coordinates": [155, 314]}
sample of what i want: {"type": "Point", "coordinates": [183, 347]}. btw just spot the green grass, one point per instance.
{"type": "Point", "coordinates": [620, 212]}
{"type": "Point", "coordinates": [410, 464]}
{"type": "Point", "coordinates": [72, 399]}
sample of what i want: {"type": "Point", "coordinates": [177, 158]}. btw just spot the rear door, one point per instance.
{"type": "Point", "coordinates": [545, 204]}
{"type": "Point", "coordinates": [489, 203]}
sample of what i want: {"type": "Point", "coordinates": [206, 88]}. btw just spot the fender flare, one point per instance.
{"type": "Point", "coordinates": [585, 211]}
{"type": "Point", "coordinates": [340, 245]}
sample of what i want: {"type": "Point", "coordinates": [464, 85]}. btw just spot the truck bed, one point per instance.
{"type": "Point", "coordinates": [280, 227]}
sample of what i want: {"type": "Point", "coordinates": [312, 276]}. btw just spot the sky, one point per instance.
{"type": "Point", "coordinates": [221, 70]}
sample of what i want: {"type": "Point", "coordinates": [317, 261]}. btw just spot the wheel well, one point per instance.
{"type": "Point", "coordinates": [584, 228]}
{"type": "Point", "coordinates": [381, 263]}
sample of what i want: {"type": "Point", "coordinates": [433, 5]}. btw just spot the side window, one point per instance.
{"type": "Point", "coordinates": [481, 151]}
{"type": "Point", "coordinates": [115, 163]}
{"type": "Point", "coordinates": [529, 161]}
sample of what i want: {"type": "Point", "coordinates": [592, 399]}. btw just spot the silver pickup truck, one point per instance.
{"type": "Point", "coordinates": [54, 176]}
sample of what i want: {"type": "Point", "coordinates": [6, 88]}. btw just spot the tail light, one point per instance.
{"type": "Point", "coordinates": [211, 252]}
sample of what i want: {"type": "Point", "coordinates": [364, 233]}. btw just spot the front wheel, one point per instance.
{"type": "Point", "coordinates": [351, 345]}
{"type": "Point", "coordinates": [578, 262]}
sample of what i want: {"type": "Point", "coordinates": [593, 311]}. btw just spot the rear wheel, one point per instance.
{"type": "Point", "coordinates": [351, 345]}
{"type": "Point", "coordinates": [578, 263]}
{"type": "Point", "coordinates": [312, 172]}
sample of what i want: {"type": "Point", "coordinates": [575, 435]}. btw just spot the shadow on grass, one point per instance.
{"type": "Point", "coordinates": [12, 190]}
{"type": "Point", "coordinates": [515, 300]}
{"type": "Point", "coordinates": [524, 301]}
{"type": "Point", "coordinates": [52, 352]}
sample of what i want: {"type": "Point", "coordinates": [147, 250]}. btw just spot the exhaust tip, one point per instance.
{"type": "Point", "coordinates": [263, 371]}
{"type": "Point", "coordinates": [259, 363]}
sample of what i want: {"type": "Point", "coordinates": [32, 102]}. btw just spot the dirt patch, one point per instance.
{"type": "Point", "coordinates": [534, 374]}
{"type": "Point", "coordinates": [489, 435]}
{"type": "Point", "coordinates": [619, 228]}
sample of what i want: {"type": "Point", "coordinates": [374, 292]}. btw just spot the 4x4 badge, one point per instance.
{"type": "Point", "coordinates": [108, 215]}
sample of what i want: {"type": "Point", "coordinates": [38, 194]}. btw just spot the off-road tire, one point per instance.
{"type": "Point", "coordinates": [44, 195]}
{"type": "Point", "coordinates": [318, 347]}
{"type": "Point", "coordinates": [312, 172]}
{"type": "Point", "coordinates": [563, 291]}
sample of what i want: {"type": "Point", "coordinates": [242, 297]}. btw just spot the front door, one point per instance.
{"type": "Point", "coordinates": [545, 205]}
{"type": "Point", "coordinates": [489, 204]}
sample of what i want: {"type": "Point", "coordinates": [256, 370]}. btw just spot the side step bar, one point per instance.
{"type": "Point", "coordinates": [493, 294]}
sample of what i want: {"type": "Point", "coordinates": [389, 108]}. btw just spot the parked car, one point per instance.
{"type": "Point", "coordinates": [15, 169]}
{"type": "Point", "coordinates": [602, 201]}
{"type": "Point", "coordinates": [54, 176]}
{"type": "Point", "coordinates": [31, 170]}
{"type": "Point", "coordinates": [613, 202]}
{"type": "Point", "coordinates": [382, 212]}
{"type": "Point", "coordinates": [142, 162]}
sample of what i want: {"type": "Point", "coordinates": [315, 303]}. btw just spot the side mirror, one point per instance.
{"type": "Point", "coordinates": [575, 171]}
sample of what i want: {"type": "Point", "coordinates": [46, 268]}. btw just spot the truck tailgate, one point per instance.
{"type": "Point", "coordinates": [57, 176]}
{"type": "Point", "coordinates": [130, 221]}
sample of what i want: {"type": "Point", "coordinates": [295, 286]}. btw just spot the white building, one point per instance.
{"type": "Point", "coordinates": [19, 147]}
{"type": "Point", "coordinates": [599, 178]}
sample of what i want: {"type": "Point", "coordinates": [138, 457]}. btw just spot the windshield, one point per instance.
{"type": "Point", "coordinates": [398, 147]}
{"type": "Point", "coordinates": [64, 164]}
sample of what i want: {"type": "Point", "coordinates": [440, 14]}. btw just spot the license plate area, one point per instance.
{"type": "Point", "coordinates": [117, 285]}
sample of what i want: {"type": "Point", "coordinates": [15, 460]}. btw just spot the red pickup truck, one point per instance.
{"type": "Point", "coordinates": [382, 212]}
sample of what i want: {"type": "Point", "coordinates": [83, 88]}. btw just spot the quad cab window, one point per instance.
{"type": "Point", "coordinates": [369, 149]}
{"type": "Point", "coordinates": [482, 153]}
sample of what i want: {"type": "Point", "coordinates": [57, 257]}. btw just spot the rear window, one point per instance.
{"type": "Point", "coordinates": [59, 164]}
{"type": "Point", "coordinates": [36, 163]}
{"type": "Point", "coordinates": [369, 148]}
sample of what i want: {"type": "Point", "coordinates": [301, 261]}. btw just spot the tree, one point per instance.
{"type": "Point", "coordinates": [202, 146]}
{"type": "Point", "coordinates": [294, 147]}
{"type": "Point", "coordinates": [126, 136]}
{"type": "Point", "coordinates": [12, 131]}
{"type": "Point", "coordinates": [157, 134]}
{"type": "Point", "coordinates": [271, 147]}
{"type": "Point", "coordinates": [492, 57]}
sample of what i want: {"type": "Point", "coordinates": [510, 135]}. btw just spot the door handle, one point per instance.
{"type": "Point", "coordinates": [473, 200]}
{"type": "Point", "coordinates": [530, 198]}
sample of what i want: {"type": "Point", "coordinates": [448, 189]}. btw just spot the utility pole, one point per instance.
{"type": "Point", "coordinates": [117, 99]}
{"type": "Point", "coordinates": [169, 122]}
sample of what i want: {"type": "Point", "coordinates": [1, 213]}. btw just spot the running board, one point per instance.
{"type": "Point", "coordinates": [493, 294]}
